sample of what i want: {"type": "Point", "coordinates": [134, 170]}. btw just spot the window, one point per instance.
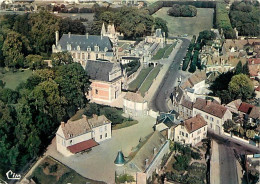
{"type": "Point", "coordinates": [211, 119]}
{"type": "Point", "coordinates": [88, 56]}
{"type": "Point", "coordinates": [218, 121]}
{"type": "Point", "coordinates": [204, 128]}
{"type": "Point", "coordinates": [180, 132]}
{"type": "Point", "coordinates": [96, 91]}
{"type": "Point", "coordinates": [206, 116]}
{"type": "Point", "coordinates": [106, 135]}
{"type": "Point", "coordinates": [198, 132]}
{"type": "Point", "coordinates": [191, 135]}
{"type": "Point", "coordinates": [83, 55]}
{"type": "Point", "coordinates": [186, 135]}
{"type": "Point", "coordinates": [100, 136]}
{"type": "Point", "coordinates": [73, 55]}
{"type": "Point", "coordinates": [96, 56]}
{"type": "Point", "coordinates": [70, 142]}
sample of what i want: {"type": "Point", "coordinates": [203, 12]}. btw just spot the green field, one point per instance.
{"type": "Point", "coordinates": [149, 80]}
{"type": "Point", "coordinates": [46, 173]}
{"type": "Point", "coordinates": [160, 53]}
{"type": "Point", "coordinates": [133, 86]}
{"type": "Point", "coordinates": [169, 50]}
{"type": "Point", "coordinates": [13, 79]}
{"type": "Point", "coordinates": [187, 25]}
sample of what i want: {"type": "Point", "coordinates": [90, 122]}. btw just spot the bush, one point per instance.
{"type": "Point", "coordinates": [182, 11]}
{"type": "Point", "coordinates": [125, 178]}
{"type": "Point", "coordinates": [53, 168]}
{"type": "Point", "coordinates": [182, 162]}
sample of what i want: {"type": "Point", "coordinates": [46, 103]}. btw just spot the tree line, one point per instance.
{"type": "Point", "coordinates": [31, 34]}
{"type": "Point", "coordinates": [182, 11]}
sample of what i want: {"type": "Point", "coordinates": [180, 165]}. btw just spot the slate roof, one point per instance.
{"type": "Point", "coordinates": [210, 107]}
{"type": "Point", "coordinates": [146, 152]}
{"type": "Point", "coordinates": [120, 160]}
{"type": "Point", "coordinates": [166, 118]}
{"type": "Point", "coordinates": [98, 70]}
{"type": "Point", "coordinates": [84, 42]}
{"type": "Point", "coordinates": [194, 123]}
{"type": "Point", "coordinates": [134, 97]}
{"type": "Point", "coordinates": [81, 126]}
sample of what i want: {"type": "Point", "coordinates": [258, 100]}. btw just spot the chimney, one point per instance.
{"type": "Point", "coordinates": [69, 34]}
{"type": "Point", "coordinates": [56, 37]}
{"type": "Point", "coordinates": [208, 102]}
{"type": "Point", "coordinates": [62, 124]}
{"type": "Point", "coordinates": [95, 116]}
{"type": "Point", "coordinates": [87, 35]}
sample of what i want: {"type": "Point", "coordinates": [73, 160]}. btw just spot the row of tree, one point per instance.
{"type": "Point", "coordinates": [188, 56]}
{"type": "Point", "coordinates": [31, 34]}
{"type": "Point", "coordinates": [132, 22]}
{"type": "Point", "coordinates": [182, 11]}
{"type": "Point", "coordinates": [234, 85]}
{"type": "Point", "coordinates": [30, 115]}
{"type": "Point", "coordinates": [245, 17]}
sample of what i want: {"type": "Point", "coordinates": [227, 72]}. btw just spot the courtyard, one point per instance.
{"type": "Point", "coordinates": [98, 164]}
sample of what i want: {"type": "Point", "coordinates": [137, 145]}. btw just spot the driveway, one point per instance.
{"type": "Point", "coordinates": [98, 164]}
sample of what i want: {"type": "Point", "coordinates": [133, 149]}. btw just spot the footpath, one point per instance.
{"type": "Point", "coordinates": [214, 164]}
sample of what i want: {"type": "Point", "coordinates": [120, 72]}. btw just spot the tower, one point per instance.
{"type": "Point", "coordinates": [103, 29]}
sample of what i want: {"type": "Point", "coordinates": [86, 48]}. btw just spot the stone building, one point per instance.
{"type": "Point", "coordinates": [85, 47]}
{"type": "Point", "coordinates": [106, 81]}
{"type": "Point", "coordinates": [79, 135]}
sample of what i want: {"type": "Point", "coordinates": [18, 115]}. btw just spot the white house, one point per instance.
{"type": "Point", "coordinates": [191, 131]}
{"type": "Point", "coordinates": [134, 104]}
{"type": "Point", "coordinates": [214, 114]}
{"type": "Point", "coordinates": [82, 134]}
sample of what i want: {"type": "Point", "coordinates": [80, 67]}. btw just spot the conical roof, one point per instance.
{"type": "Point", "coordinates": [120, 160]}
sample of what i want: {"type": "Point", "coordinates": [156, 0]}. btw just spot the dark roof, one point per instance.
{"type": "Point", "coordinates": [177, 93]}
{"type": "Point", "coordinates": [98, 70]}
{"type": "Point", "coordinates": [210, 107]}
{"type": "Point", "coordinates": [130, 58]}
{"type": "Point", "coordinates": [82, 146]}
{"type": "Point", "coordinates": [120, 160]}
{"type": "Point", "coordinates": [194, 123]}
{"type": "Point", "coordinates": [245, 108]}
{"type": "Point", "coordinates": [186, 103]}
{"type": "Point", "coordinates": [167, 119]}
{"type": "Point", "coordinates": [84, 42]}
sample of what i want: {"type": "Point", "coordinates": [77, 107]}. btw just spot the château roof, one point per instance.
{"type": "Point", "coordinates": [134, 97]}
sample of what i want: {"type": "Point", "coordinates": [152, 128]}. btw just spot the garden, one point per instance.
{"type": "Point", "coordinates": [52, 171]}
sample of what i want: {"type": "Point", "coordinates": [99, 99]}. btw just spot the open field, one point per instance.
{"type": "Point", "coordinates": [187, 25]}
{"type": "Point", "coordinates": [169, 50]}
{"type": "Point", "coordinates": [160, 53]}
{"type": "Point", "coordinates": [12, 80]}
{"type": "Point", "coordinates": [51, 171]}
{"type": "Point", "coordinates": [73, 16]}
{"type": "Point", "coordinates": [149, 80]}
{"type": "Point", "coordinates": [133, 86]}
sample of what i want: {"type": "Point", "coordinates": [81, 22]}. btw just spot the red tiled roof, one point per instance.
{"type": "Point", "coordinates": [194, 123]}
{"type": "Point", "coordinates": [82, 146]}
{"type": "Point", "coordinates": [254, 61]}
{"type": "Point", "coordinates": [245, 107]}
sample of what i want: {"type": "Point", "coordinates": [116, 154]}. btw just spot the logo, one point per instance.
{"type": "Point", "coordinates": [2, 181]}
{"type": "Point", "coordinates": [12, 176]}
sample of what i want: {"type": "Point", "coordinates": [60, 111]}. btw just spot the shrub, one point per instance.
{"type": "Point", "coordinates": [182, 11]}
{"type": "Point", "coordinates": [182, 162]}
{"type": "Point", "coordinates": [53, 168]}
{"type": "Point", "coordinates": [125, 178]}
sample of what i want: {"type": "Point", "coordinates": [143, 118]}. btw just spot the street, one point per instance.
{"type": "Point", "coordinates": [158, 102]}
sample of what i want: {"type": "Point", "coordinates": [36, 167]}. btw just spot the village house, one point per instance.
{"type": "Point", "coordinates": [82, 134]}
{"type": "Point", "coordinates": [148, 158]}
{"type": "Point", "coordinates": [254, 68]}
{"type": "Point", "coordinates": [134, 104]}
{"type": "Point", "coordinates": [214, 114]}
{"type": "Point", "coordinates": [191, 131]}
{"type": "Point", "coordinates": [249, 113]}
{"type": "Point", "coordinates": [106, 81]}
{"type": "Point", "coordinates": [85, 47]}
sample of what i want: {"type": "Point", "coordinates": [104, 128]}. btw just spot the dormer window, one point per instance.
{"type": "Point", "coordinates": [96, 48]}
{"type": "Point", "coordinates": [88, 49]}
{"type": "Point", "coordinates": [78, 47]}
{"type": "Point", "coordinates": [68, 46]}
{"type": "Point", "coordinates": [105, 49]}
{"type": "Point", "coordinates": [59, 47]}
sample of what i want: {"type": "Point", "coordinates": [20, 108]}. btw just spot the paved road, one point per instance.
{"type": "Point", "coordinates": [227, 159]}
{"type": "Point", "coordinates": [164, 90]}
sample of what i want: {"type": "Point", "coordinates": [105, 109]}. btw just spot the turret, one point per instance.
{"type": "Point", "coordinates": [103, 30]}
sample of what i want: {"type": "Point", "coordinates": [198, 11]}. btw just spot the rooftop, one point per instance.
{"type": "Point", "coordinates": [194, 123]}
{"type": "Point", "coordinates": [134, 97]}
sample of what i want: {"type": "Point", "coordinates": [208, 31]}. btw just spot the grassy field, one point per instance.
{"type": "Point", "coordinates": [169, 50]}
{"type": "Point", "coordinates": [124, 124]}
{"type": "Point", "coordinates": [160, 53]}
{"type": "Point", "coordinates": [149, 80]}
{"type": "Point", "coordinates": [187, 25]}
{"type": "Point", "coordinates": [133, 86]}
{"type": "Point", "coordinates": [50, 171]}
{"type": "Point", "coordinates": [12, 80]}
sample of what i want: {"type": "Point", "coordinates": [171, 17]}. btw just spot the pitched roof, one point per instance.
{"type": "Point", "coordinates": [186, 103]}
{"type": "Point", "coordinates": [255, 113]}
{"type": "Point", "coordinates": [120, 160]}
{"type": "Point", "coordinates": [245, 107]}
{"type": "Point", "coordinates": [194, 123]}
{"type": "Point", "coordinates": [82, 146]}
{"type": "Point", "coordinates": [81, 126]}
{"type": "Point", "coordinates": [177, 93]}
{"type": "Point", "coordinates": [194, 79]}
{"type": "Point", "coordinates": [84, 42]}
{"type": "Point", "coordinates": [146, 152]}
{"type": "Point", "coordinates": [210, 107]}
{"type": "Point", "coordinates": [166, 118]}
{"type": "Point", "coordinates": [134, 97]}
{"type": "Point", "coordinates": [98, 70]}
{"type": "Point", "coordinates": [254, 61]}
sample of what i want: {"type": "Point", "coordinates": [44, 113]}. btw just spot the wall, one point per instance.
{"type": "Point", "coordinates": [102, 130]}
{"type": "Point", "coordinates": [134, 108]}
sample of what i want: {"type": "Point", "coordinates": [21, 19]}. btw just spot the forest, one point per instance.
{"type": "Point", "coordinates": [182, 11]}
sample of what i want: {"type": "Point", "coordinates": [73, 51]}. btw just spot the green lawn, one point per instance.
{"type": "Point", "coordinates": [169, 50]}
{"type": "Point", "coordinates": [12, 80]}
{"type": "Point", "coordinates": [42, 174]}
{"type": "Point", "coordinates": [133, 86]}
{"type": "Point", "coordinates": [124, 124]}
{"type": "Point", "coordinates": [160, 53]}
{"type": "Point", "coordinates": [187, 25]}
{"type": "Point", "coordinates": [149, 80]}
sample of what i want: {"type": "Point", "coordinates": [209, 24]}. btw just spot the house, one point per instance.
{"type": "Point", "coordinates": [106, 81]}
{"type": "Point", "coordinates": [214, 114]}
{"type": "Point", "coordinates": [234, 105]}
{"type": "Point", "coordinates": [254, 68]}
{"type": "Point", "coordinates": [148, 158]}
{"type": "Point", "coordinates": [185, 108]}
{"type": "Point", "coordinates": [249, 112]}
{"type": "Point", "coordinates": [85, 47]}
{"type": "Point", "coordinates": [165, 124]}
{"type": "Point", "coordinates": [191, 131]}
{"type": "Point", "coordinates": [134, 104]}
{"type": "Point", "coordinates": [82, 134]}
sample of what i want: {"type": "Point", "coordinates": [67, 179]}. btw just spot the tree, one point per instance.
{"type": "Point", "coordinates": [72, 26]}
{"type": "Point", "coordinates": [250, 134]}
{"type": "Point", "coordinates": [182, 11]}
{"type": "Point", "coordinates": [229, 125]}
{"type": "Point", "coordinates": [159, 23]}
{"type": "Point", "coordinates": [61, 58]}
{"type": "Point", "coordinates": [34, 62]}
{"type": "Point", "coordinates": [239, 68]}
{"type": "Point", "coordinates": [241, 86]}
{"type": "Point", "coordinates": [246, 69]}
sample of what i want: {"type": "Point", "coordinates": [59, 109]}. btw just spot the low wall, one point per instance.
{"type": "Point", "coordinates": [153, 114]}
{"type": "Point", "coordinates": [134, 75]}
